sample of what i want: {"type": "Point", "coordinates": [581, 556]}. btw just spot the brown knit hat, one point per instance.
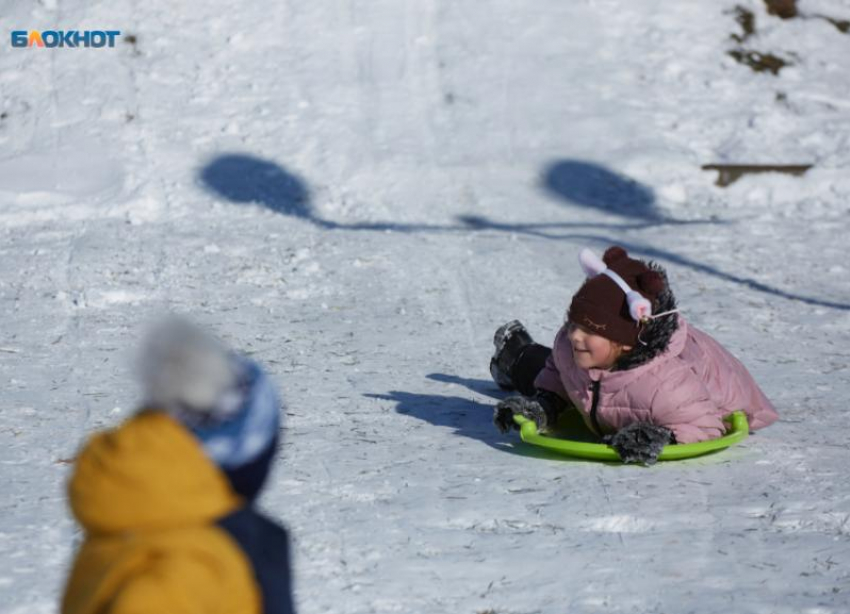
{"type": "Point", "coordinates": [600, 304]}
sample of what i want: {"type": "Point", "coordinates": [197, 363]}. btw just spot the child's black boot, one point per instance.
{"type": "Point", "coordinates": [510, 341]}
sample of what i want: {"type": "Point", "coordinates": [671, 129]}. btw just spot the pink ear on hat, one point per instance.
{"type": "Point", "coordinates": [651, 283]}
{"type": "Point", "coordinates": [613, 254]}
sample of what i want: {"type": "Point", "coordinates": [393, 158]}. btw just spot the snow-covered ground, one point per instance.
{"type": "Point", "coordinates": [358, 193]}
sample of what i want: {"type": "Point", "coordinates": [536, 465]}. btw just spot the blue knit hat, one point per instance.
{"type": "Point", "coordinates": [223, 398]}
{"type": "Point", "coordinates": [238, 438]}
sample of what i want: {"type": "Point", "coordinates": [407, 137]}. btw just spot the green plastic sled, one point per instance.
{"type": "Point", "coordinates": [738, 429]}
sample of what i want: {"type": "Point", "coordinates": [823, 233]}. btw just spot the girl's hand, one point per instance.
{"type": "Point", "coordinates": [640, 442]}
{"type": "Point", "coordinates": [503, 414]}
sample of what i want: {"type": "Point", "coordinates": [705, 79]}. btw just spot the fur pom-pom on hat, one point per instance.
{"type": "Point", "coordinates": [184, 370]}
{"type": "Point", "coordinates": [613, 254]}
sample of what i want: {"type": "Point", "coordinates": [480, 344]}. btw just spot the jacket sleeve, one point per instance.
{"type": "Point", "coordinates": [682, 404]}
{"type": "Point", "coordinates": [549, 377]}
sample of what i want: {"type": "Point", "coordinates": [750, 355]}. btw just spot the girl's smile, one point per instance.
{"type": "Point", "coordinates": [592, 351]}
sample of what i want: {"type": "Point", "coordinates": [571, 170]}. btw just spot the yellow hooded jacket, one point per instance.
{"type": "Point", "coordinates": [148, 499]}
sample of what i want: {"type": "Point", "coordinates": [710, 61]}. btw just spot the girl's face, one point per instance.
{"type": "Point", "coordinates": [592, 351]}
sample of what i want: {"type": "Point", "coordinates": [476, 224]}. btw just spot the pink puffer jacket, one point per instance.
{"type": "Point", "coordinates": [688, 388]}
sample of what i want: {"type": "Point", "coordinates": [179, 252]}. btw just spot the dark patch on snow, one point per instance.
{"type": "Point", "coordinates": [787, 9]}
{"type": "Point", "coordinates": [842, 25]}
{"type": "Point", "coordinates": [747, 20]}
{"type": "Point", "coordinates": [133, 41]}
{"type": "Point", "coordinates": [784, 9]}
{"type": "Point", "coordinates": [759, 62]}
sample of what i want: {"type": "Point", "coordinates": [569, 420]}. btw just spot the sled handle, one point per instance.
{"type": "Point", "coordinates": [737, 430]}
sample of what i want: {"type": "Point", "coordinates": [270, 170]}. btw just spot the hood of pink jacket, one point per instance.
{"type": "Point", "coordinates": [688, 388]}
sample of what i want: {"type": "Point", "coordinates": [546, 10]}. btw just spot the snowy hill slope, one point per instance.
{"type": "Point", "coordinates": [358, 194]}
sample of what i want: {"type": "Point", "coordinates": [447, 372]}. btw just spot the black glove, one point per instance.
{"type": "Point", "coordinates": [503, 415]}
{"type": "Point", "coordinates": [542, 409]}
{"type": "Point", "coordinates": [640, 442]}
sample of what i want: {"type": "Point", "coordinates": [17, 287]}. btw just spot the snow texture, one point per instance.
{"type": "Point", "coordinates": [357, 194]}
